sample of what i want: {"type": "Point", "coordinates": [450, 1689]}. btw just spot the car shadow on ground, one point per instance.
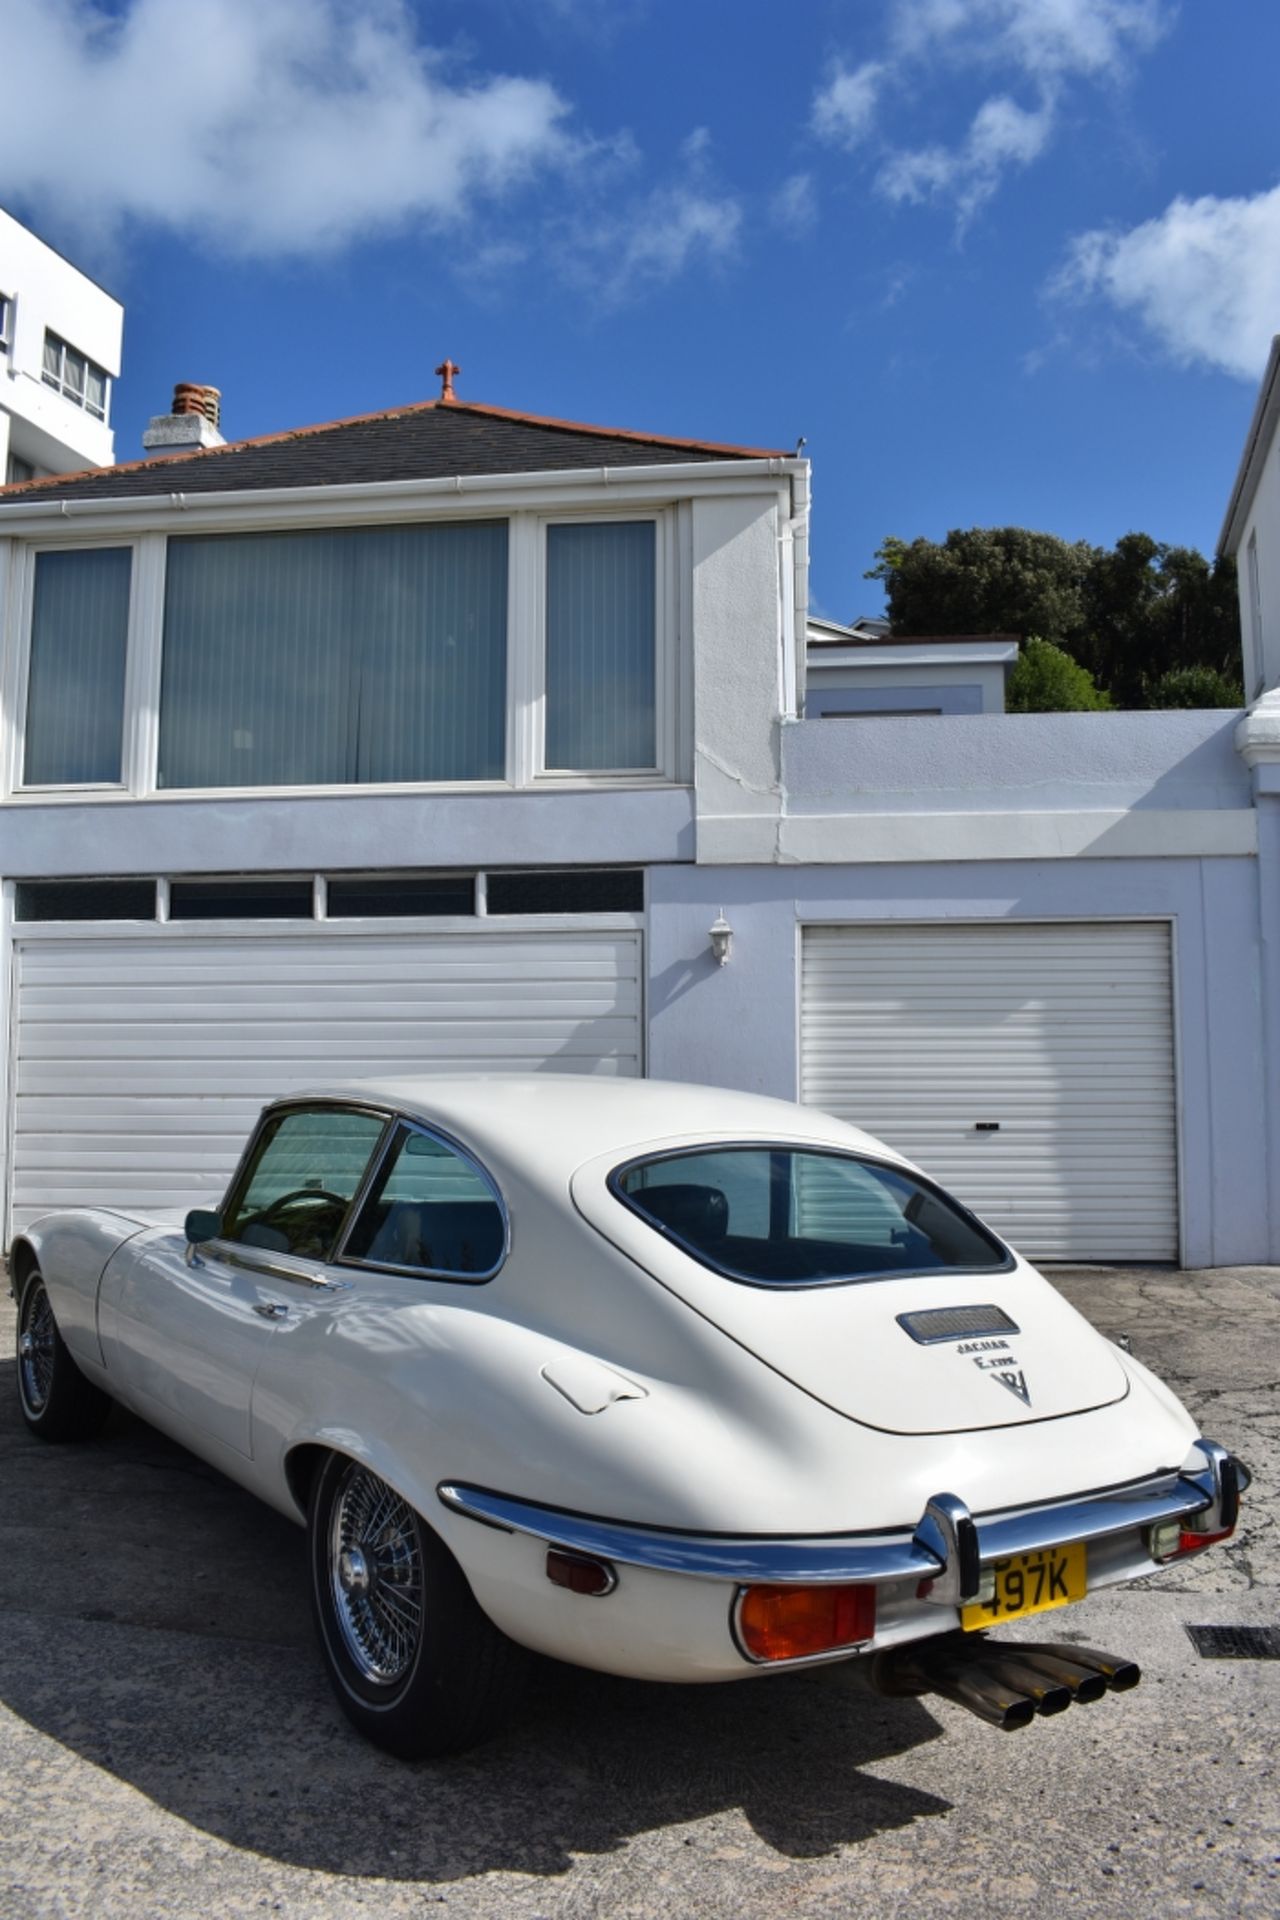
{"type": "Point", "coordinates": [154, 1621]}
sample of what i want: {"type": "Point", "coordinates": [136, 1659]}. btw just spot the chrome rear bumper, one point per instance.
{"type": "Point", "coordinates": [947, 1548]}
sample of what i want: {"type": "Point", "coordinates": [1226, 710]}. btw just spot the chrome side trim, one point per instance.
{"type": "Point", "coordinates": [946, 1547]}
{"type": "Point", "coordinates": [235, 1255]}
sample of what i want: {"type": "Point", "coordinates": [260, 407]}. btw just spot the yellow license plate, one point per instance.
{"type": "Point", "coordinates": [1030, 1583]}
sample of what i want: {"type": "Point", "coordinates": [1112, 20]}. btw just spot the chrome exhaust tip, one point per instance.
{"type": "Point", "coordinates": [1119, 1675]}
{"type": "Point", "coordinates": [1048, 1695]}
{"type": "Point", "coordinates": [986, 1694]}
{"type": "Point", "coordinates": [947, 1667]}
{"type": "Point", "coordinates": [1085, 1684]}
{"type": "Point", "coordinates": [1004, 1682]}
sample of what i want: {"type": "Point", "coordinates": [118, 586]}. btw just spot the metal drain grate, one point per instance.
{"type": "Point", "coordinates": [1236, 1643]}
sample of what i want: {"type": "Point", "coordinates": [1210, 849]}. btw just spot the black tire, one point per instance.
{"type": "Point", "coordinates": [57, 1402]}
{"type": "Point", "coordinates": [416, 1665]}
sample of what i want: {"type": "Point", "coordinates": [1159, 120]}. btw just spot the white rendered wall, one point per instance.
{"type": "Point", "coordinates": [47, 291]}
{"type": "Point", "coordinates": [738, 666]}
{"type": "Point", "coordinates": [1263, 523]}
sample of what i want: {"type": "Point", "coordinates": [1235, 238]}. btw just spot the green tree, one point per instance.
{"type": "Point", "coordinates": [1130, 614]}
{"type": "Point", "coordinates": [1152, 609]}
{"type": "Point", "coordinates": [1045, 679]}
{"type": "Point", "coordinates": [985, 580]}
{"type": "Point", "coordinates": [1194, 687]}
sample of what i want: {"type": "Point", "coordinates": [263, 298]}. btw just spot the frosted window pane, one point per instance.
{"type": "Point", "coordinates": [75, 687]}
{"type": "Point", "coordinates": [336, 658]}
{"type": "Point", "coordinates": [601, 675]}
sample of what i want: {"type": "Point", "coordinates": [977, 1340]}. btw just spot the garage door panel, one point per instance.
{"type": "Point", "coordinates": [1062, 1035]}
{"type": "Point", "coordinates": [141, 1063]}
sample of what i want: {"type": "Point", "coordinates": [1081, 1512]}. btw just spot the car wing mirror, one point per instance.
{"type": "Point", "coordinates": [201, 1225]}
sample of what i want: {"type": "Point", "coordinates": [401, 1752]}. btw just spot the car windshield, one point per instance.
{"type": "Point", "coordinates": [790, 1216]}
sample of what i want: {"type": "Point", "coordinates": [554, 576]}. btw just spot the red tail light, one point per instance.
{"type": "Point", "coordinates": [790, 1623]}
{"type": "Point", "coordinates": [1172, 1541]}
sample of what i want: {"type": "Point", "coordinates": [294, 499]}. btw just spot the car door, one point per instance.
{"type": "Point", "coordinates": [186, 1327]}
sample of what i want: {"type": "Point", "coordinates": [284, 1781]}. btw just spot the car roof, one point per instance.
{"type": "Point", "coordinates": [561, 1120]}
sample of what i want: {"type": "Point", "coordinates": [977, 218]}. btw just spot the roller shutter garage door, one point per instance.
{"type": "Point", "coordinates": [140, 1063]}
{"type": "Point", "coordinates": [1028, 1068]}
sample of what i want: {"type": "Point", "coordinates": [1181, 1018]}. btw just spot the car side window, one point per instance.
{"type": "Point", "coordinates": [430, 1210]}
{"type": "Point", "coordinates": [306, 1169]}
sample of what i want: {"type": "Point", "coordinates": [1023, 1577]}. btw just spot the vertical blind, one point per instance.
{"type": "Point", "coordinates": [332, 658]}
{"type": "Point", "coordinates": [75, 682]}
{"type": "Point", "coordinates": [601, 609]}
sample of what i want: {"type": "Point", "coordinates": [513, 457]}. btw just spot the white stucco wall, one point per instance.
{"type": "Point", "coordinates": [48, 291]}
{"type": "Point", "coordinates": [360, 832]}
{"type": "Point", "coordinates": [993, 762]}
{"type": "Point", "coordinates": [997, 786]}
{"type": "Point", "coordinates": [738, 655]}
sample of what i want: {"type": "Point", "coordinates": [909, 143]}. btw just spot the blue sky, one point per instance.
{"type": "Point", "coordinates": [999, 261]}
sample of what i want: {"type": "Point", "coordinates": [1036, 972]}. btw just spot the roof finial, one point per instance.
{"type": "Point", "coordinates": [446, 370]}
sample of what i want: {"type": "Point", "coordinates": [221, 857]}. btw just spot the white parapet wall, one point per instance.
{"type": "Point", "coordinates": [996, 786]}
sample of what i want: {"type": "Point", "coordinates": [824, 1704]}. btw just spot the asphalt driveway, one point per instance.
{"type": "Point", "coordinates": [168, 1745]}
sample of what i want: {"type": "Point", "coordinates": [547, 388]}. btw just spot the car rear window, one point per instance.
{"type": "Point", "coordinates": [780, 1216]}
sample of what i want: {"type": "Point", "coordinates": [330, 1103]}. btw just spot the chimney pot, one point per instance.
{"type": "Point", "coordinates": [188, 397]}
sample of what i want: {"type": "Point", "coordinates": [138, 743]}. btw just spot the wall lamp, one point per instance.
{"type": "Point", "coordinates": [720, 934]}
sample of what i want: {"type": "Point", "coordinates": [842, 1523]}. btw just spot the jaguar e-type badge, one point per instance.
{"type": "Point", "coordinates": [994, 1357]}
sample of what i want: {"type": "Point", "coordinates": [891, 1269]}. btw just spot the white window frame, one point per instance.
{"type": "Point", "coordinates": [6, 322]}
{"type": "Point", "coordinates": [60, 385]}
{"type": "Point", "coordinates": [21, 604]}
{"type": "Point", "coordinates": [665, 650]}
{"type": "Point", "coordinates": [525, 766]}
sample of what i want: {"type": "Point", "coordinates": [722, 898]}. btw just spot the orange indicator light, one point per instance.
{"type": "Point", "coordinates": [788, 1623]}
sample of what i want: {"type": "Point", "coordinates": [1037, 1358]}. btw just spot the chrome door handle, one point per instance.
{"type": "Point", "coordinates": [270, 1309]}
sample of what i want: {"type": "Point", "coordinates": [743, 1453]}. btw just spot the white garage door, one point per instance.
{"type": "Point", "coordinates": [141, 1062]}
{"type": "Point", "coordinates": [1028, 1068]}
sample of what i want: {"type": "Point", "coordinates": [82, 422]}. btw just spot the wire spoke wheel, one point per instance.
{"type": "Point", "coordinates": [36, 1349]}
{"type": "Point", "coordinates": [376, 1575]}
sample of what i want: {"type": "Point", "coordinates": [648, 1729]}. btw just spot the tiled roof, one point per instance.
{"type": "Point", "coordinates": [431, 439]}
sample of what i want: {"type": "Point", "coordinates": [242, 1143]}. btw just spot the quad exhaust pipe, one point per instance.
{"type": "Point", "coordinates": [1005, 1682]}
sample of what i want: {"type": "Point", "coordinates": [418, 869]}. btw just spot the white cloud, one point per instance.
{"type": "Point", "coordinates": [1203, 277]}
{"type": "Point", "coordinates": [269, 126]}
{"type": "Point", "coordinates": [1042, 47]}
{"type": "Point", "coordinates": [662, 234]}
{"type": "Point", "coordinates": [1002, 134]}
{"type": "Point", "coordinates": [793, 209]}
{"type": "Point", "coordinates": [1043, 39]}
{"type": "Point", "coordinates": [687, 220]}
{"type": "Point", "coordinates": [844, 109]}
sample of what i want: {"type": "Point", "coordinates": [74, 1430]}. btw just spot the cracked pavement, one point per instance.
{"type": "Point", "coordinates": [168, 1746]}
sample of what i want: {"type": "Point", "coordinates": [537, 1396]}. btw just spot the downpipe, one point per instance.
{"type": "Point", "coordinates": [1004, 1682]}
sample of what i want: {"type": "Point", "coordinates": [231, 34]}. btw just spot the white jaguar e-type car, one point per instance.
{"type": "Point", "coordinates": [675, 1382]}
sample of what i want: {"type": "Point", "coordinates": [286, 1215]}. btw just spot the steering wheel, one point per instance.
{"type": "Point", "coordinates": [285, 1200]}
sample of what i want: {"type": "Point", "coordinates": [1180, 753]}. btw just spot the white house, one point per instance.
{"type": "Point", "coordinates": [445, 735]}
{"type": "Point", "coordinates": [1251, 535]}
{"type": "Point", "coordinates": [60, 337]}
{"type": "Point", "coordinates": [851, 670]}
